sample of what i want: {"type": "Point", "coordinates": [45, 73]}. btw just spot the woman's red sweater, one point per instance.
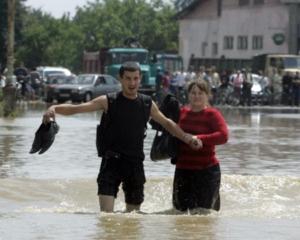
{"type": "Point", "coordinates": [209, 126]}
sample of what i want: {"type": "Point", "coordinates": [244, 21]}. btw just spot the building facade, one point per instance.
{"type": "Point", "coordinates": [228, 33]}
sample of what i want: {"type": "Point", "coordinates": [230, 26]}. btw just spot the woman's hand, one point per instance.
{"type": "Point", "coordinates": [194, 142]}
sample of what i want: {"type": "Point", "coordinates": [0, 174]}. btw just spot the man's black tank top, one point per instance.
{"type": "Point", "coordinates": [128, 126]}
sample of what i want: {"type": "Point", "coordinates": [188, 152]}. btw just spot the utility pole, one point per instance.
{"type": "Point", "coordinates": [9, 91]}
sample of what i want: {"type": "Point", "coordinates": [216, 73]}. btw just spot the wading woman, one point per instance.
{"type": "Point", "coordinates": [197, 175]}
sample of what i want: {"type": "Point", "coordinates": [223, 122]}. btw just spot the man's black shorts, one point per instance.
{"type": "Point", "coordinates": [115, 170]}
{"type": "Point", "coordinates": [197, 188]}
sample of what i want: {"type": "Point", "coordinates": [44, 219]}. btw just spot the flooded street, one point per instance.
{"type": "Point", "coordinates": [261, 142]}
{"type": "Point", "coordinates": [53, 195]}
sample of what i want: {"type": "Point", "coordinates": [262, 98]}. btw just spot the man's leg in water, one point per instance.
{"type": "Point", "coordinates": [106, 203]}
{"type": "Point", "coordinates": [133, 185]}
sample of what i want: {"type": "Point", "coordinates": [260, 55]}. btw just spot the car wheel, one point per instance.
{"type": "Point", "coordinates": [49, 99]}
{"type": "Point", "coordinates": [75, 101]}
{"type": "Point", "coordinates": [60, 100]}
{"type": "Point", "coordinates": [88, 97]}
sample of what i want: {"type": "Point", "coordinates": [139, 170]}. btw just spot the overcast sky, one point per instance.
{"type": "Point", "coordinates": [57, 7]}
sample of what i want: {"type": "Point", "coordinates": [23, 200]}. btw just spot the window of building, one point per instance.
{"type": "Point", "coordinates": [228, 42]}
{"type": "Point", "coordinates": [242, 42]}
{"type": "Point", "coordinates": [244, 2]}
{"type": "Point", "coordinates": [203, 48]}
{"type": "Point", "coordinates": [215, 48]}
{"type": "Point", "coordinates": [257, 42]}
{"type": "Point", "coordinates": [257, 2]}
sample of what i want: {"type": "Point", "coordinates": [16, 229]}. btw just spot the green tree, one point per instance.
{"type": "Point", "coordinates": [46, 40]}
{"type": "Point", "coordinates": [3, 32]}
{"type": "Point", "coordinates": [111, 21]}
{"type": "Point", "coordinates": [38, 33]}
{"type": "Point", "coordinates": [20, 11]}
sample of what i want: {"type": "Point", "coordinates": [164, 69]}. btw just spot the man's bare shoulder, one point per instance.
{"type": "Point", "coordinates": [100, 102]}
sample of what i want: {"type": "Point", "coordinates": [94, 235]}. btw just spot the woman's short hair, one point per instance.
{"type": "Point", "coordinates": [201, 84]}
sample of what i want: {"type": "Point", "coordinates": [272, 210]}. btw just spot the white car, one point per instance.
{"type": "Point", "coordinates": [46, 71]}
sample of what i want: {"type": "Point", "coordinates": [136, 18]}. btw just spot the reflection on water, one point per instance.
{"type": "Point", "coordinates": [119, 227]}
{"type": "Point", "coordinates": [262, 141]}
{"type": "Point", "coordinates": [134, 226]}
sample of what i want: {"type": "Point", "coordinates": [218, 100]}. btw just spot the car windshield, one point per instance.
{"type": "Point", "coordinates": [85, 79]}
{"type": "Point", "coordinates": [47, 73]}
{"type": "Point", "coordinates": [171, 62]}
{"type": "Point", "coordinates": [121, 57]}
{"type": "Point", "coordinates": [292, 62]}
{"type": "Point", "coordinates": [62, 81]}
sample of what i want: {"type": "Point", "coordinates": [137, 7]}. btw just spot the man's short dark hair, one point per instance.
{"type": "Point", "coordinates": [129, 66]}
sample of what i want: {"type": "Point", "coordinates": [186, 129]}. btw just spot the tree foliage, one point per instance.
{"type": "Point", "coordinates": [20, 11]}
{"type": "Point", "coordinates": [3, 31]}
{"type": "Point", "coordinates": [45, 40]}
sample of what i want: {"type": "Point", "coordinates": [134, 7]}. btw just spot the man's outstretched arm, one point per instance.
{"type": "Point", "coordinates": [96, 104]}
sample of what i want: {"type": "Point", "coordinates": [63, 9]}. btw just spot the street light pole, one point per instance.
{"type": "Point", "coordinates": [9, 91]}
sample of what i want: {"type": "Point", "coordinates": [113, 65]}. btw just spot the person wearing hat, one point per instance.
{"type": "Point", "coordinates": [123, 162]}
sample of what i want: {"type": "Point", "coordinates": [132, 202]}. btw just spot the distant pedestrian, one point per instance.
{"type": "Point", "coordinates": [201, 73]}
{"type": "Point", "coordinates": [296, 89]}
{"type": "Point", "coordinates": [166, 80]}
{"type": "Point", "coordinates": [215, 83]}
{"type": "Point", "coordinates": [287, 81]}
{"type": "Point", "coordinates": [276, 86]}
{"type": "Point", "coordinates": [237, 82]}
{"type": "Point", "coordinates": [35, 82]}
{"type": "Point", "coordinates": [158, 85]}
{"type": "Point", "coordinates": [246, 88]}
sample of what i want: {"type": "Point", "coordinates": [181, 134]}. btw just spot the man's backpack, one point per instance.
{"type": "Point", "coordinates": [104, 135]}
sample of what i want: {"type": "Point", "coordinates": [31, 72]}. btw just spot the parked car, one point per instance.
{"type": "Point", "coordinates": [53, 81]}
{"type": "Point", "coordinates": [87, 87]}
{"type": "Point", "coordinates": [45, 71]}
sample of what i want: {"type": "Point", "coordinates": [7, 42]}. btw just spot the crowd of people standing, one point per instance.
{"type": "Point", "coordinates": [28, 83]}
{"type": "Point", "coordinates": [238, 87]}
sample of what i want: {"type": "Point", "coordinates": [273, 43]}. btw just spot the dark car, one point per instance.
{"type": "Point", "coordinates": [87, 87]}
{"type": "Point", "coordinates": [53, 81]}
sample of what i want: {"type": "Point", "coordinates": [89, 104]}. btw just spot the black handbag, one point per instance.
{"type": "Point", "coordinates": [164, 146]}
